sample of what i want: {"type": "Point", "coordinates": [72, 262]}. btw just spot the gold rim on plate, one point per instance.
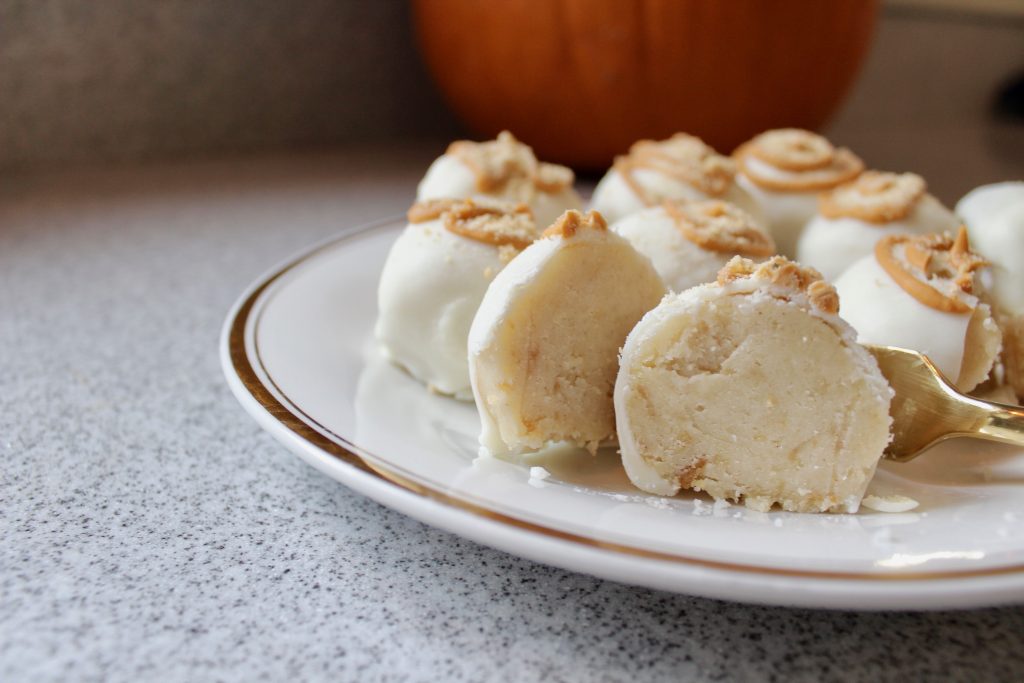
{"type": "Point", "coordinates": [344, 451]}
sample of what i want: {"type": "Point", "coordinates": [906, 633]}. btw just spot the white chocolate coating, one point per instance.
{"type": "Point", "coordinates": [994, 215]}
{"type": "Point", "coordinates": [832, 244]}
{"type": "Point", "coordinates": [985, 201]}
{"type": "Point", "coordinates": [496, 301]}
{"type": "Point", "coordinates": [786, 213]}
{"type": "Point", "coordinates": [430, 288]}
{"type": "Point", "coordinates": [450, 178]}
{"type": "Point", "coordinates": [680, 263]}
{"type": "Point", "coordinates": [615, 199]}
{"type": "Point", "coordinates": [883, 313]}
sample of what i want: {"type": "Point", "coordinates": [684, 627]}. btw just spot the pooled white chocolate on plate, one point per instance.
{"type": "Point", "coordinates": [918, 293]}
{"type": "Point", "coordinates": [689, 241]}
{"type": "Point", "coordinates": [752, 389]}
{"type": "Point", "coordinates": [682, 167]}
{"type": "Point", "coordinates": [994, 215]}
{"type": "Point", "coordinates": [784, 170]}
{"type": "Point", "coordinates": [543, 347]}
{"type": "Point", "coordinates": [854, 216]}
{"type": "Point", "coordinates": [434, 279]}
{"type": "Point", "coordinates": [503, 169]}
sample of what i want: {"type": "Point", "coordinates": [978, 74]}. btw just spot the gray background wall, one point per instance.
{"type": "Point", "coordinates": [120, 80]}
{"type": "Point", "coordinates": [123, 79]}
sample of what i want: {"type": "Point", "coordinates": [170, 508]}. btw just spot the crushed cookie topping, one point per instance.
{"type": "Point", "coordinates": [782, 272]}
{"type": "Point", "coordinates": [720, 226]}
{"type": "Point", "coordinates": [572, 222]}
{"type": "Point", "coordinates": [425, 210]}
{"type": "Point", "coordinates": [936, 269]}
{"type": "Point", "coordinates": [682, 157]}
{"type": "Point", "coordinates": [499, 223]}
{"type": "Point", "coordinates": [507, 167]}
{"type": "Point", "coordinates": [874, 197]}
{"type": "Point", "coordinates": [811, 160]}
{"type": "Point", "coordinates": [793, 149]}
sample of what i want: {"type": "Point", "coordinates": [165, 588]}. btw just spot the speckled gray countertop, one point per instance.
{"type": "Point", "coordinates": [151, 531]}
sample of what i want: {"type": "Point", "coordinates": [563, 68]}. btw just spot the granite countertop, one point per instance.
{"type": "Point", "coordinates": [152, 531]}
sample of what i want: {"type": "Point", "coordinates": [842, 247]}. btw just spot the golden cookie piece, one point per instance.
{"type": "Point", "coordinates": [874, 197]}
{"type": "Point", "coordinates": [934, 269]}
{"type": "Point", "coordinates": [682, 157]}
{"type": "Point", "coordinates": [720, 226]}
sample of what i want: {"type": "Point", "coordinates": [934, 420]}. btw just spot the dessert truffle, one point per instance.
{"type": "Point", "coordinates": [854, 216]}
{"type": "Point", "coordinates": [434, 279]}
{"type": "Point", "coordinates": [543, 348]}
{"type": "Point", "coordinates": [784, 171]}
{"type": "Point", "coordinates": [918, 292]}
{"type": "Point", "coordinates": [752, 389]}
{"type": "Point", "coordinates": [994, 215]}
{"type": "Point", "coordinates": [682, 167]}
{"type": "Point", "coordinates": [689, 241]}
{"type": "Point", "coordinates": [503, 169]}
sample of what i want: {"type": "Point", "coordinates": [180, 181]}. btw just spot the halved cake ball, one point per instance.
{"type": "Point", "coordinates": [682, 167]}
{"type": "Point", "coordinates": [752, 389]}
{"type": "Point", "coordinates": [434, 279]}
{"type": "Point", "coordinates": [994, 215]}
{"type": "Point", "coordinates": [543, 348]}
{"type": "Point", "coordinates": [689, 241]}
{"type": "Point", "coordinates": [916, 292]}
{"type": "Point", "coordinates": [854, 216]}
{"type": "Point", "coordinates": [503, 169]}
{"type": "Point", "coordinates": [785, 170]}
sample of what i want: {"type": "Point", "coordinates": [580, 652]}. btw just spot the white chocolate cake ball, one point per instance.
{"type": "Point", "coordinates": [785, 170]}
{"type": "Point", "coordinates": [984, 203]}
{"type": "Point", "coordinates": [994, 215]}
{"type": "Point", "coordinates": [543, 348]}
{"type": "Point", "coordinates": [752, 389]}
{"type": "Point", "coordinates": [689, 241]}
{"type": "Point", "coordinates": [503, 169]}
{"type": "Point", "coordinates": [434, 279]}
{"type": "Point", "coordinates": [854, 216]}
{"type": "Point", "coordinates": [682, 167]}
{"type": "Point", "coordinates": [915, 292]}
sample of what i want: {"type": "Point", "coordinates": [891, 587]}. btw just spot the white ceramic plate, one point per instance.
{"type": "Point", "coordinates": [298, 352]}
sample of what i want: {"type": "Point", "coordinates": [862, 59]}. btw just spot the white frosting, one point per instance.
{"type": "Point", "coordinates": [831, 244]}
{"type": "Point", "coordinates": [994, 215]}
{"type": "Point", "coordinates": [640, 472]}
{"type": "Point", "coordinates": [615, 199]}
{"type": "Point", "coordinates": [680, 263]}
{"type": "Point", "coordinates": [786, 213]}
{"type": "Point", "coordinates": [430, 288]}
{"type": "Point", "coordinates": [449, 178]}
{"type": "Point", "coordinates": [884, 314]}
{"type": "Point", "coordinates": [981, 203]}
{"type": "Point", "coordinates": [497, 300]}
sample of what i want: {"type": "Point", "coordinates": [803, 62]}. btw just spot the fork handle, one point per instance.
{"type": "Point", "coordinates": [1002, 423]}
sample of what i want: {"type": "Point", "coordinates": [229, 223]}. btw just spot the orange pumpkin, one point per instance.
{"type": "Point", "coordinates": [580, 80]}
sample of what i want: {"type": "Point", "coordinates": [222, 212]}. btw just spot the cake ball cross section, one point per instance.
{"type": "Point", "coordinates": [752, 390]}
{"type": "Point", "coordinates": [543, 347]}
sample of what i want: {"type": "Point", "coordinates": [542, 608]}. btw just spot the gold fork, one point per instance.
{"type": "Point", "coordinates": [927, 409]}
